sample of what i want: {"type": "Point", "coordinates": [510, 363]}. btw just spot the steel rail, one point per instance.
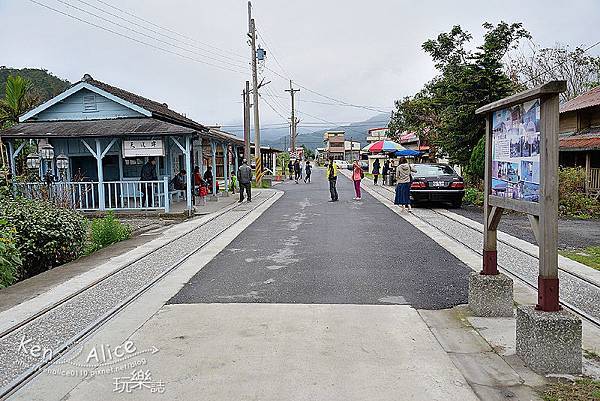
{"type": "Point", "coordinates": [35, 370]}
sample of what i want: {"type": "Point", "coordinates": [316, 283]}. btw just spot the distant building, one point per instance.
{"type": "Point", "coordinates": [335, 144]}
{"type": "Point", "coordinates": [580, 136]}
{"type": "Point", "coordinates": [351, 150]}
{"type": "Point", "coordinates": [378, 134]}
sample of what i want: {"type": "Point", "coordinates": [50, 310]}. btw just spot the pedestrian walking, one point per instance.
{"type": "Point", "coordinates": [308, 170]}
{"type": "Point", "coordinates": [233, 183]}
{"type": "Point", "coordinates": [403, 178]}
{"type": "Point", "coordinates": [357, 176]}
{"type": "Point", "coordinates": [200, 186]}
{"type": "Point", "coordinates": [208, 177]}
{"type": "Point", "coordinates": [245, 180]}
{"type": "Point", "coordinates": [148, 174]}
{"type": "Point", "coordinates": [290, 169]}
{"type": "Point", "coordinates": [376, 168]}
{"type": "Point", "coordinates": [332, 177]}
{"type": "Point", "coordinates": [301, 170]}
{"type": "Point", "coordinates": [297, 170]}
{"type": "Point", "coordinates": [385, 171]}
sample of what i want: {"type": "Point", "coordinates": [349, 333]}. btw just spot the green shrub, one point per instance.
{"type": "Point", "coordinates": [473, 196]}
{"type": "Point", "coordinates": [10, 261]}
{"type": "Point", "coordinates": [105, 231]}
{"type": "Point", "coordinates": [573, 201]}
{"type": "Point", "coordinates": [45, 235]}
{"type": "Point", "coordinates": [476, 168]}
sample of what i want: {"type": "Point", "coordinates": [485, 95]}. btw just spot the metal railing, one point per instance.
{"type": "Point", "coordinates": [92, 196]}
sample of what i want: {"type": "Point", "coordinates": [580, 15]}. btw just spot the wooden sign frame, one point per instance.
{"type": "Point", "coordinates": [543, 215]}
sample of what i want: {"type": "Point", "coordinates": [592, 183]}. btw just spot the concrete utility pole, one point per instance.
{"type": "Point", "coordinates": [294, 121]}
{"type": "Point", "coordinates": [246, 96]}
{"type": "Point", "coordinates": [257, 157]}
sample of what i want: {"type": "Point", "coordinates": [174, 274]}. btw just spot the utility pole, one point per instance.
{"type": "Point", "coordinates": [294, 121]}
{"type": "Point", "coordinates": [246, 95]}
{"type": "Point", "coordinates": [257, 157]}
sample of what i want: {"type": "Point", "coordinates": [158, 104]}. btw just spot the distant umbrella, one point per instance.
{"type": "Point", "coordinates": [408, 152]}
{"type": "Point", "coordinates": [383, 146]}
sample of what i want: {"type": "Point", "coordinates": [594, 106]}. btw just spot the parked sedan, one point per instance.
{"type": "Point", "coordinates": [437, 182]}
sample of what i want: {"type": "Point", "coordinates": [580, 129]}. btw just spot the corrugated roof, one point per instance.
{"type": "Point", "coordinates": [589, 99]}
{"type": "Point", "coordinates": [588, 139]}
{"type": "Point", "coordinates": [96, 128]}
{"type": "Point", "coordinates": [159, 110]}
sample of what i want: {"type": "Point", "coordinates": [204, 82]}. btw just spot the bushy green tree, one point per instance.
{"type": "Point", "coordinates": [443, 112]}
{"type": "Point", "coordinates": [18, 99]}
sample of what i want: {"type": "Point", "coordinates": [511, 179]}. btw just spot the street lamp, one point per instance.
{"type": "Point", "coordinates": [33, 161]}
{"type": "Point", "coordinates": [47, 152]}
{"type": "Point", "coordinates": [62, 164]}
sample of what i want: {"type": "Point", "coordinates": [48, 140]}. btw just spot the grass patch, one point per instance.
{"type": "Point", "coordinates": [579, 390]}
{"type": "Point", "coordinates": [589, 256]}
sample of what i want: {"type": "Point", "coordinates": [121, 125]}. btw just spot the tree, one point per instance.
{"type": "Point", "coordinates": [18, 99]}
{"type": "Point", "coordinates": [534, 68]}
{"type": "Point", "coordinates": [443, 112]}
{"type": "Point", "coordinates": [308, 154]}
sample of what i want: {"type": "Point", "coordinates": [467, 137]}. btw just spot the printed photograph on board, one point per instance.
{"type": "Point", "coordinates": [516, 152]}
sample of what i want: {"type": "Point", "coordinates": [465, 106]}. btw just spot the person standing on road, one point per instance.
{"type": "Point", "coordinates": [148, 174]}
{"type": "Point", "coordinates": [290, 168]}
{"type": "Point", "coordinates": [376, 168]}
{"type": "Point", "coordinates": [245, 180]}
{"type": "Point", "coordinates": [308, 169]}
{"type": "Point", "coordinates": [403, 178]}
{"type": "Point", "coordinates": [385, 171]}
{"type": "Point", "coordinates": [357, 176]}
{"type": "Point", "coordinates": [297, 170]}
{"type": "Point", "coordinates": [332, 177]}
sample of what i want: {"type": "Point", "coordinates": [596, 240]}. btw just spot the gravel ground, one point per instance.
{"type": "Point", "coordinates": [66, 321]}
{"type": "Point", "coordinates": [572, 234]}
{"type": "Point", "coordinates": [573, 290]}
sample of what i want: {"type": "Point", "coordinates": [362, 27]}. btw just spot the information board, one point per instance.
{"type": "Point", "coordinates": [516, 152]}
{"type": "Point", "coordinates": [143, 147]}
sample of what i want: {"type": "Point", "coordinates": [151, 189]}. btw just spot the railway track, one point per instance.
{"type": "Point", "coordinates": [575, 288]}
{"type": "Point", "coordinates": [61, 338]}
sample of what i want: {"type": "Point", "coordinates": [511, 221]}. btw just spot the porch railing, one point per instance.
{"type": "Point", "coordinates": [91, 196]}
{"type": "Point", "coordinates": [594, 179]}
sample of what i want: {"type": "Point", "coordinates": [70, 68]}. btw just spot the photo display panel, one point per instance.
{"type": "Point", "coordinates": [516, 152]}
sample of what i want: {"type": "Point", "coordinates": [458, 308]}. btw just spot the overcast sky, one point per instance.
{"type": "Point", "coordinates": [361, 52]}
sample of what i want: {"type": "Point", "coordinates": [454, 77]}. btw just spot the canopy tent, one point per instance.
{"type": "Point", "coordinates": [408, 153]}
{"type": "Point", "coordinates": [383, 146]}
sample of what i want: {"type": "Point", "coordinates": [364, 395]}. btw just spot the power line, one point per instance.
{"type": "Point", "coordinates": [133, 39]}
{"type": "Point", "coordinates": [155, 31]}
{"type": "Point", "coordinates": [169, 30]}
{"type": "Point", "coordinates": [146, 35]}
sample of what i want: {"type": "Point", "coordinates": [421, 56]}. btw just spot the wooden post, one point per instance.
{"type": "Point", "coordinates": [188, 175]}
{"type": "Point", "coordinates": [101, 200]}
{"type": "Point", "coordinates": [213, 148]}
{"type": "Point", "coordinates": [236, 159]}
{"type": "Point", "coordinates": [490, 240]}
{"type": "Point", "coordinates": [548, 226]}
{"type": "Point", "coordinates": [224, 147]}
{"type": "Point", "coordinates": [588, 170]}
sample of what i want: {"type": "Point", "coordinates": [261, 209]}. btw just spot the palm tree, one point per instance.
{"type": "Point", "coordinates": [17, 100]}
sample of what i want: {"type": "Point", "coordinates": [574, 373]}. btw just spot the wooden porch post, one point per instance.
{"type": "Point", "coordinates": [491, 215]}
{"type": "Point", "coordinates": [588, 170]}
{"type": "Point", "coordinates": [237, 159]}
{"type": "Point", "coordinates": [225, 147]}
{"type": "Point", "coordinates": [213, 149]}
{"type": "Point", "coordinates": [188, 168]}
{"type": "Point", "coordinates": [101, 200]}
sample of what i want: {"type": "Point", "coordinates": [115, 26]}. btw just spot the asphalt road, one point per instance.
{"type": "Point", "coordinates": [306, 250]}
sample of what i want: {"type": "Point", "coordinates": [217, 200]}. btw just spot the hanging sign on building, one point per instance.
{"type": "Point", "coordinates": [143, 147]}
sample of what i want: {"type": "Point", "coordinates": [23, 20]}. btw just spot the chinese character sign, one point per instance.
{"type": "Point", "coordinates": [516, 152]}
{"type": "Point", "coordinates": [143, 147]}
